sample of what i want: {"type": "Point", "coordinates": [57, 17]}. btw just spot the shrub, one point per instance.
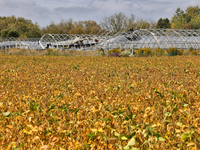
{"type": "Point", "coordinates": [125, 53]}
{"type": "Point", "coordinates": [114, 52]}
{"type": "Point", "coordinates": [197, 52]}
{"type": "Point", "coordinates": [143, 52]}
{"type": "Point", "coordinates": [158, 52]}
{"type": "Point", "coordinates": [173, 51]}
{"type": "Point", "coordinates": [52, 52]}
{"type": "Point", "coordinates": [122, 50]}
{"type": "Point", "coordinates": [180, 51]}
{"type": "Point", "coordinates": [191, 49]}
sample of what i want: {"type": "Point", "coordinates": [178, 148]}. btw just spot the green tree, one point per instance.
{"type": "Point", "coordinates": [33, 31]}
{"type": "Point", "coordinates": [71, 27]}
{"type": "Point", "coordinates": [4, 33]}
{"type": "Point", "coordinates": [188, 19]}
{"type": "Point", "coordinates": [166, 23]}
{"type": "Point", "coordinates": [159, 23]}
{"type": "Point", "coordinates": [91, 27]}
{"type": "Point", "coordinates": [77, 30]}
{"type": "Point", "coordinates": [61, 28]}
{"type": "Point", "coordinates": [52, 28]}
{"type": "Point", "coordinates": [195, 22]}
{"type": "Point", "coordinates": [163, 23]}
{"type": "Point", "coordinates": [143, 24]}
{"type": "Point", "coordinates": [14, 27]}
{"type": "Point", "coordinates": [13, 33]}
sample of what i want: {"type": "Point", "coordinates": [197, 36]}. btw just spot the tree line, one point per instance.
{"type": "Point", "coordinates": [18, 27]}
{"type": "Point", "coordinates": [21, 27]}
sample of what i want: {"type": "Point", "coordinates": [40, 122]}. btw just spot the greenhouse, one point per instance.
{"type": "Point", "coordinates": [151, 38]}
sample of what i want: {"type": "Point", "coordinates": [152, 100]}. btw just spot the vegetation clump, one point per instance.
{"type": "Point", "coordinates": [114, 52]}
{"type": "Point", "coordinates": [158, 52]}
{"type": "Point", "coordinates": [125, 53]}
{"type": "Point", "coordinates": [173, 51]}
{"type": "Point", "coordinates": [137, 52]}
{"type": "Point", "coordinates": [143, 52]}
{"type": "Point", "coordinates": [196, 52]}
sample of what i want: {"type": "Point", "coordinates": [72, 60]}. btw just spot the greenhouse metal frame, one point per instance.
{"type": "Point", "coordinates": [151, 38]}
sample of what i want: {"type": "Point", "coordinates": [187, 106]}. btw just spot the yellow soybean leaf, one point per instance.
{"type": "Point", "coordinates": [34, 130]}
{"type": "Point", "coordinates": [191, 144]}
{"type": "Point", "coordinates": [1, 104]}
{"type": "Point", "coordinates": [9, 126]}
{"type": "Point", "coordinates": [185, 135]}
{"type": "Point", "coordinates": [93, 130]}
{"type": "Point", "coordinates": [6, 114]}
{"type": "Point", "coordinates": [44, 147]}
{"type": "Point", "coordinates": [100, 130]}
{"type": "Point", "coordinates": [64, 131]}
{"type": "Point", "coordinates": [124, 138]}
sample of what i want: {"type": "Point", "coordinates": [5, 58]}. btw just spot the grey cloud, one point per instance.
{"type": "Point", "coordinates": [27, 9]}
{"type": "Point", "coordinates": [45, 11]}
{"type": "Point", "coordinates": [77, 13]}
{"type": "Point", "coordinates": [74, 10]}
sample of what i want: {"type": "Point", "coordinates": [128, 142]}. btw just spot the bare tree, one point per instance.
{"type": "Point", "coordinates": [118, 22]}
{"type": "Point", "coordinates": [143, 24]}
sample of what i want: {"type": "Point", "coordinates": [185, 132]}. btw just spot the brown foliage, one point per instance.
{"type": "Point", "coordinates": [99, 102]}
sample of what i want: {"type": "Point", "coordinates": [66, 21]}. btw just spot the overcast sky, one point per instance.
{"type": "Point", "coordinates": [45, 11]}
